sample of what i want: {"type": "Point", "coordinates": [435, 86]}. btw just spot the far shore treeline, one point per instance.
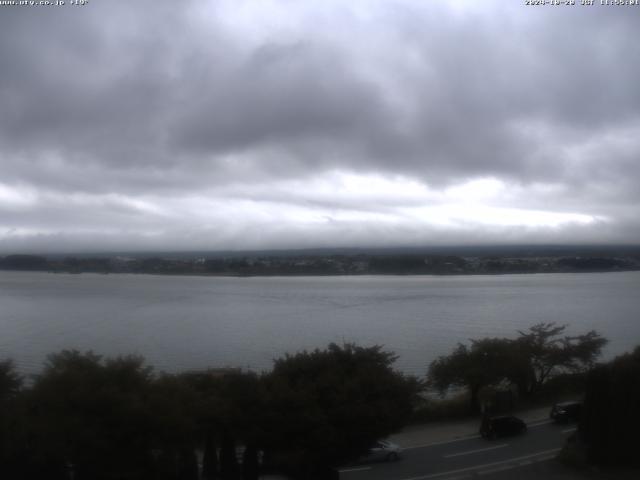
{"type": "Point", "coordinates": [85, 416]}
{"type": "Point", "coordinates": [452, 261]}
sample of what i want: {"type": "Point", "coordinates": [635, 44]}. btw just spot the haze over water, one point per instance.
{"type": "Point", "coordinates": [180, 323]}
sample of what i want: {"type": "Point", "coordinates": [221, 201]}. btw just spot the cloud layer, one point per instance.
{"type": "Point", "coordinates": [216, 125]}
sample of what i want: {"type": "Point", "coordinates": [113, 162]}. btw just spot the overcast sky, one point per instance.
{"type": "Point", "coordinates": [293, 124]}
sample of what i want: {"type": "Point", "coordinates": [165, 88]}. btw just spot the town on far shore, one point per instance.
{"type": "Point", "coordinates": [485, 260]}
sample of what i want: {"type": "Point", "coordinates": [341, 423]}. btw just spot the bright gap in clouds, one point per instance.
{"type": "Point", "coordinates": [478, 202]}
{"type": "Point", "coordinates": [12, 197]}
{"type": "Point", "coordinates": [326, 210]}
{"type": "Point", "coordinates": [360, 200]}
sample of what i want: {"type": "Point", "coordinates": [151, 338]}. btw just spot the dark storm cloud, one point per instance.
{"type": "Point", "coordinates": [281, 94]}
{"type": "Point", "coordinates": [141, 85]}
{"type": "Point", "coordinates": [167, 106]}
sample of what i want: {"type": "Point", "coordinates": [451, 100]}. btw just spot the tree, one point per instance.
{"type": "Point", "coordinates": [328, 407]}
{"type": "Point", "coordinates": [11, 421]}
{"type": "Point", "coordinates": [92, 414]}
{"type": "Point", "coordinates": [528, 361]}
{"type": "Point", "coordinates": [545, 353]}
{"type": "Point", "coordinates": [174, 406]}
{"type": "Point", "coordinates": [487, 361]}
{"type": "Point", "coordinates": [210, 458]}
{"type": "Point", "coordinates": [611, 420]}
{"type": "Point", "coordinates": [229, 469]}
{"type": "Point", "coordinates": [250, 464]}
{"type": "Point", "coordinates": [10, 380]}
{"type": "Point", "coordinates": [229, 408]}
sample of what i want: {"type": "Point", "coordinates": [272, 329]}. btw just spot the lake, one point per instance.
{"type": "Point", "coordinates": [181, 322]}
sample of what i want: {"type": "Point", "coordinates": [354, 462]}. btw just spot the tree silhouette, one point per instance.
{"type": "Point", "coordinates": [545, 353]}
{"type": "Point", "coordinates": [611, 418]}
{"type": "Point", "coordinates": [327, 407]}
{"type": "Point", "coordinates": [528, 361]}
{"type": "Point", "coordinates": [487, 361]}
{"type": "Point", "coordinates": [91, 417]}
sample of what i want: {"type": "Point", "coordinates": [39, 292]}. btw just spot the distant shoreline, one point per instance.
{"type": "Point", "coordinates": [299, 264]}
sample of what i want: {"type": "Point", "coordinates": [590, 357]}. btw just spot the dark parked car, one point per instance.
{"type": "Point", "coordinates": [494, 427]}
{"type": "Point", "coordinates": [566, 412]}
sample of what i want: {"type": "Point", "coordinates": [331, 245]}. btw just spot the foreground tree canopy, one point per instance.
{"type": "Point", "coordinates": [527, 362]}
{"type": "Point", "coordinates": [611, 421]}
{"type": "Point", "coordinates": [334, 402]}
{"type": "Point", "coordinates": [88, 417]}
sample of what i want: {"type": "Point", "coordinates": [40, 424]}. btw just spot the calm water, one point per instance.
{"type": "Point", "coordinates": [194, 322]}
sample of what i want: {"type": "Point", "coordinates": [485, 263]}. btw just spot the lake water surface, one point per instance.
{"type": "Point", "coordinates": [182, 322]}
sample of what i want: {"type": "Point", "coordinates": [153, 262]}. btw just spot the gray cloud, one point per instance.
{"type": "Point", "coordinates": [117, 118]}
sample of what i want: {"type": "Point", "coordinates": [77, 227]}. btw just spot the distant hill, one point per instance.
{"type": "Point", "coordinates": [523, 250]}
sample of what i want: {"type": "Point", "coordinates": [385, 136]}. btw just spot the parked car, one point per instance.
{"type": "Point", "coordinates": [566, 412]}
{"type": "Point", "coordinates": [383, 451]}
{"type": "Point", "coordinates": [494, 427]}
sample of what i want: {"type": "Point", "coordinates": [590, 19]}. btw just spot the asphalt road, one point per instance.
{"type": "Point", "coordinates": [467, 457]}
